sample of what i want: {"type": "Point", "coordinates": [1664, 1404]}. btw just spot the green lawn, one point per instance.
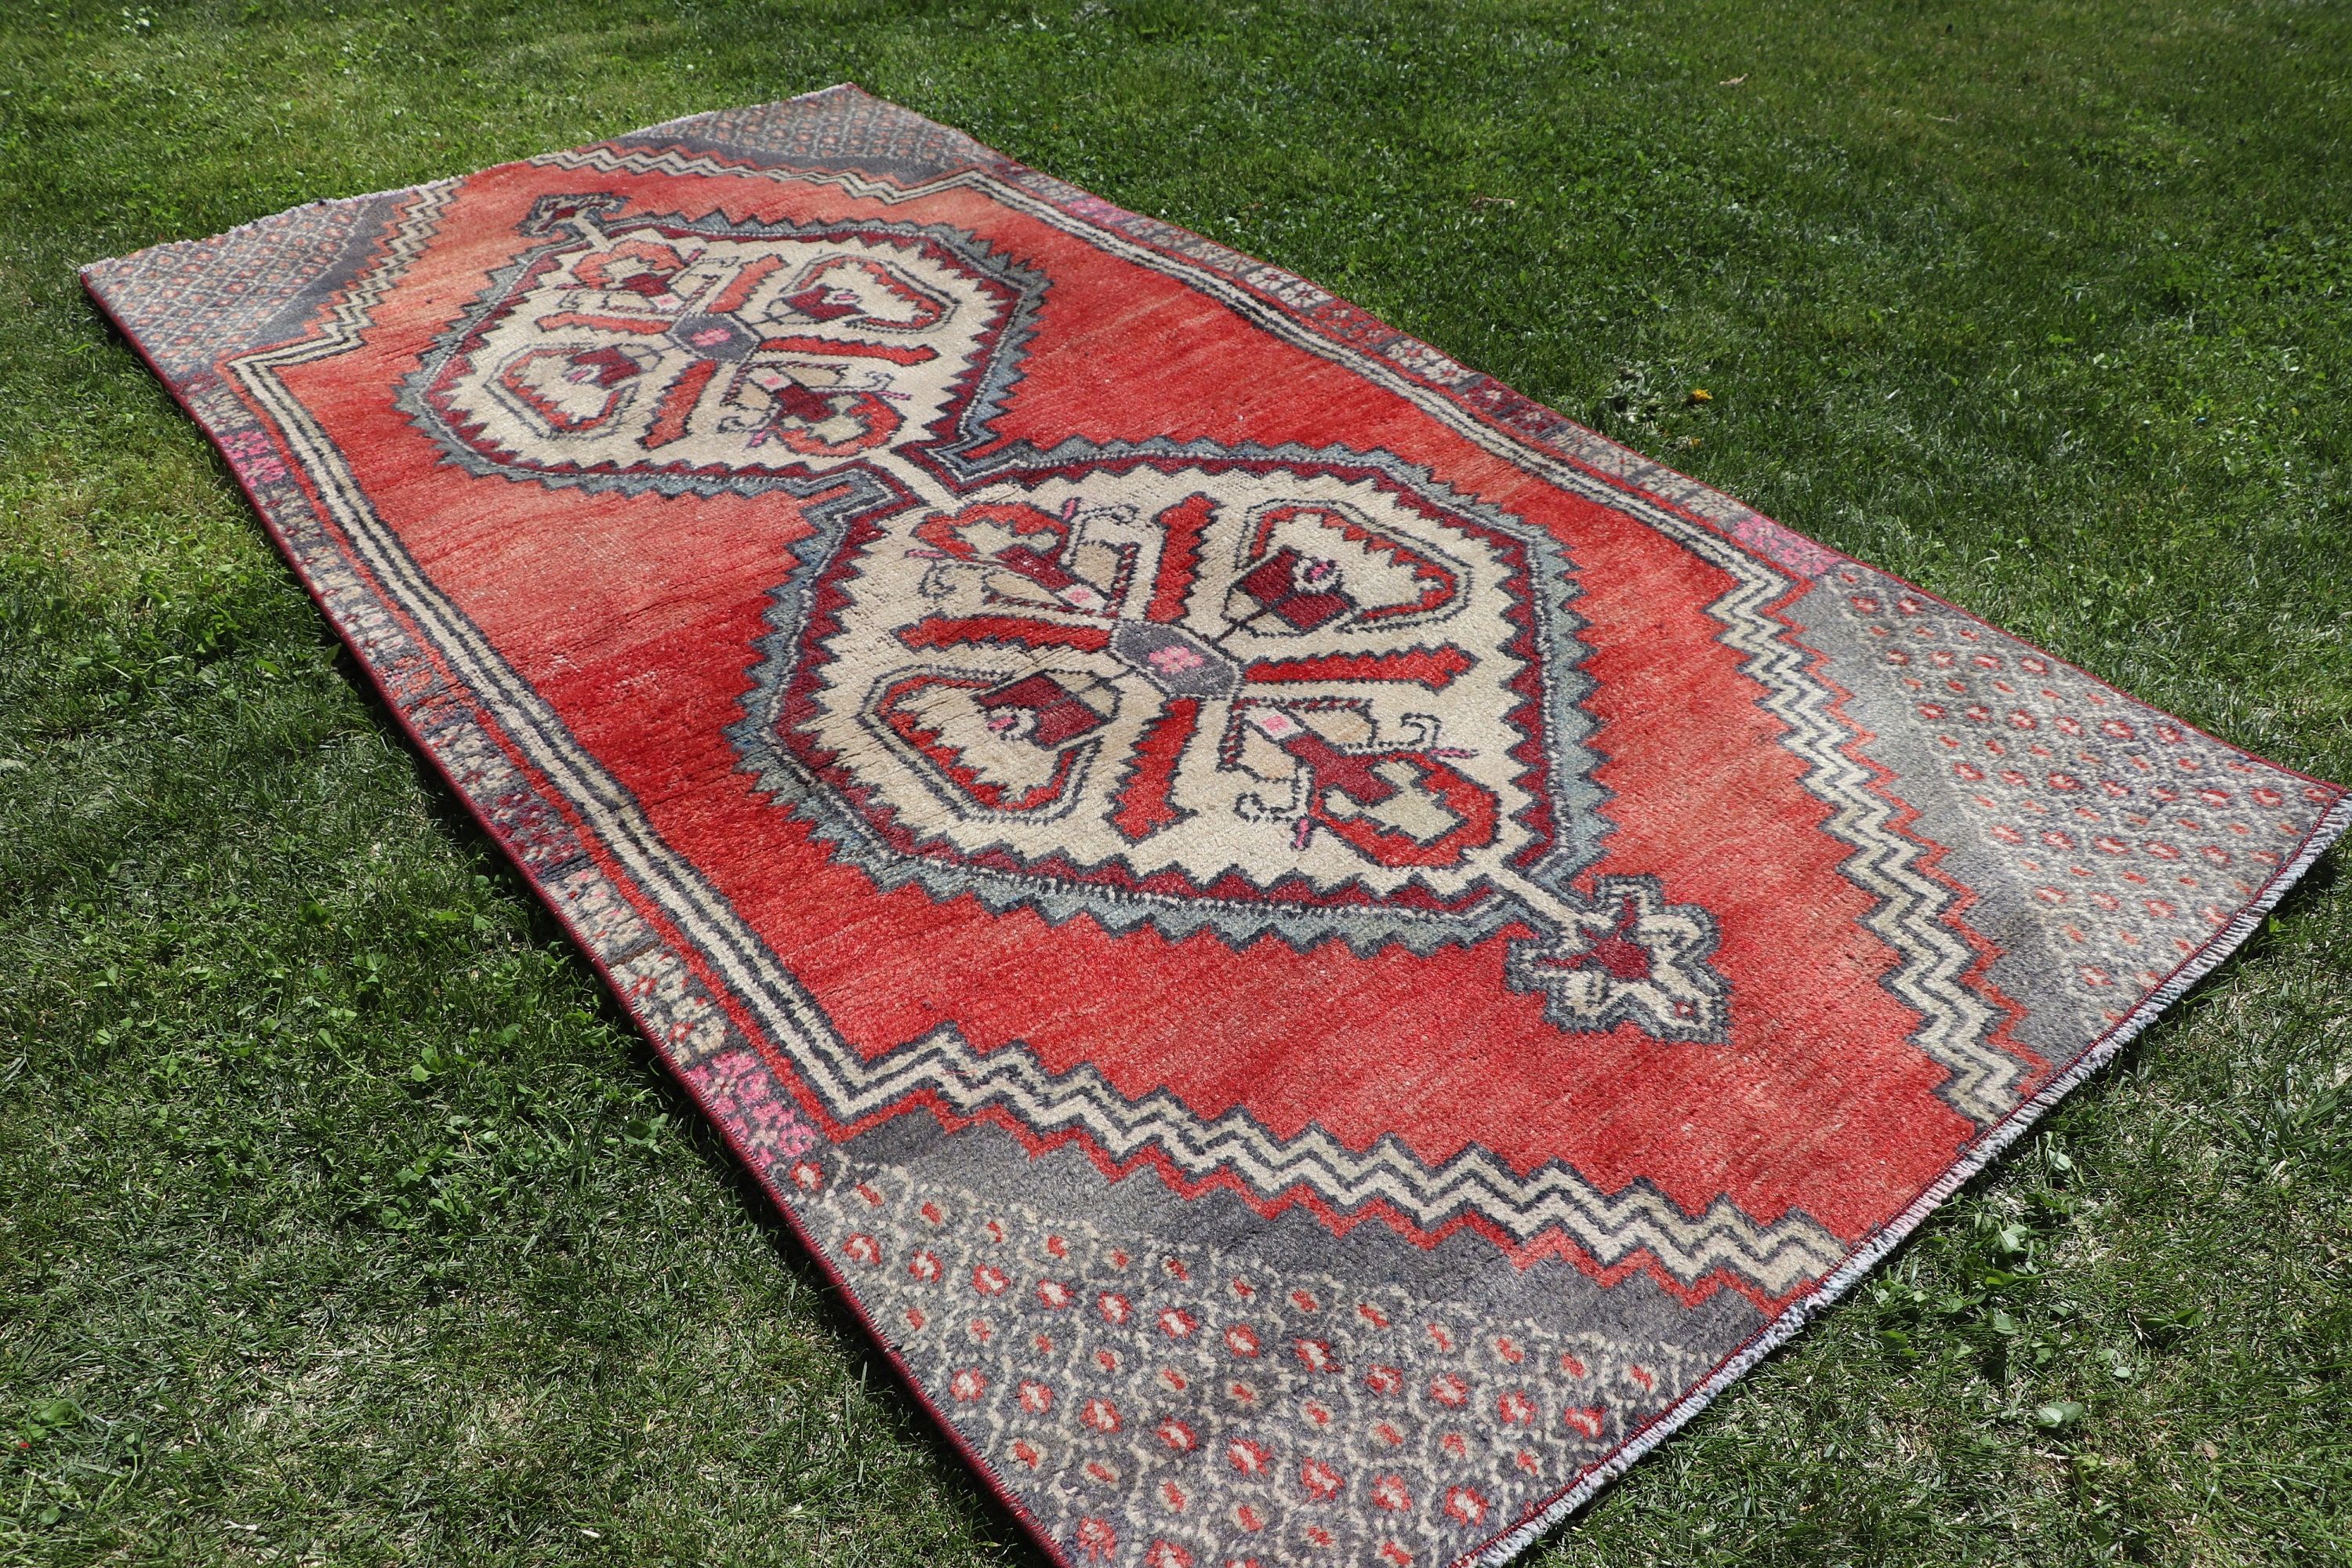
{"type": "Point", "coordinates": [341, 1222]}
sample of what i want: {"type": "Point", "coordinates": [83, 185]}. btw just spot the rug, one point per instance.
{"type": "Point", "coordinates": [1323, 954]}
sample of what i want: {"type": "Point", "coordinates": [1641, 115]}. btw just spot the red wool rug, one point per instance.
{"type": "Point", "coordinates": [1323, 954]}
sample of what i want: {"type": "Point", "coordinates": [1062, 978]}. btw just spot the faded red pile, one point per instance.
{"type": "Point", "coordinates": [1324, 953]}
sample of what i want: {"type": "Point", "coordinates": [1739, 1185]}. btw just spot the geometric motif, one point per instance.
{"type": "Point", "coordinates": [1250, 698]}
{"type": "Point", "coordinates": [676, 355]}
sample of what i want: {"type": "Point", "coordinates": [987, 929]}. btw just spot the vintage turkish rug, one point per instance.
{"type": "Point", "coordinates": [1323, 954]}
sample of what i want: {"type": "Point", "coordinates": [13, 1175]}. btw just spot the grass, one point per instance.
{"type": "Point", "coordinates": [342, 1223]}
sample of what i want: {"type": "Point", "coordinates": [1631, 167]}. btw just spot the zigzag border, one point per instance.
{"type": "Point", "coordinates": [1567, 785]}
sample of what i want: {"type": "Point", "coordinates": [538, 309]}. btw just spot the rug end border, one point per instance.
{"type": "Point", "coordinates": [1866, 1258]}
